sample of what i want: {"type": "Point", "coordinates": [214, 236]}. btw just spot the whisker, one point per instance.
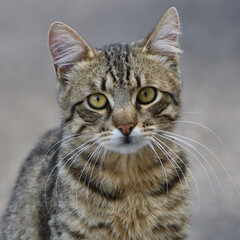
{"type": "Point", "coordinates": [77, 154]}
{"type": "Point", "coordinates": [201, 155]}
{"type": "Point", "coordinates": [100, 169]}
{"type": "Point", "coordinates": [93, 167]}
{"type": "Point", "coordinates": [196, 157]}
{"type": "Point", "coordinates": [96, 150]}
{"type": "Point", "coordinates": [223, 146]}
{"type": "Point", "coordinates": [195, 182]}
{"type": "Point", "coordinates": [60, 129]}
{"type": "Point", "coordinates": [193, 112]}
{"type": "Point", "coordinates": [60, 141]}
{"type": "Point", "coordinates": [53, 169]}
{"type": "Point", "coordinates": [208, 129]}
{"type": "Point", "coordinates": [81, 151]}
{"type": "Point", "coordinates": [211, 131]}
{"type": "Point", "coordinates": [163, 169]}
{"type": "Point", "coordinates": [213, 154]}
{"type": "Point", "coordinates": [80, 176]}
{"type": "Point", "coordinates": [159, 142]}
{"type": "Point", "coordinates": [167, 155]}
{"type": "Point", "coordinates": [89, 161]}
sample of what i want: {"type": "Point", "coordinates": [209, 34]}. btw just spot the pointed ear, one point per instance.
{"type": "Point", "coordinates": [163, 40]}
{"type": "Point", "coordinates": [66, 47]}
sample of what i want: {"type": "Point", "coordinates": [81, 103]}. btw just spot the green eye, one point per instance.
{"type": "Point", "coordinates": [97, 101]}
{"type": "Point", "coordinates": [147, 95]}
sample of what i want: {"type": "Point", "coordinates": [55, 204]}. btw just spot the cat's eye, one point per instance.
{"type": "Point", "coordinates": [147, 95]}
{"type": "Point", "coordinates": [97, 101]}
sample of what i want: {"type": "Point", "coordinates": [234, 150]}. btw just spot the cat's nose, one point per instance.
{"type": "Point", "coordinates": [126, 129]}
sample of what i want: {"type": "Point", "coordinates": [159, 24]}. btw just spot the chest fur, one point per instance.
{"type": "Point", "coordinates": [129, 213]}
{"type": "Point", "coordinates": [136, 217]}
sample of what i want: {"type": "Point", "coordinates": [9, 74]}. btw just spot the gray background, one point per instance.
{"type": "Point", "coordinates": [210, 68]}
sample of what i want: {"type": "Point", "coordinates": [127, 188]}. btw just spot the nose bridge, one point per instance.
{"type": "Point", "coordinates": [124, 116]}
{"type": "Point", "coordinates": [123, 112]}
{"type": "Point", "coordinates": [124, 119]}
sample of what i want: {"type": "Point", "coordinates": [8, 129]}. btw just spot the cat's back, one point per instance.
{"type": "Point", "coordinates": [26, 212]}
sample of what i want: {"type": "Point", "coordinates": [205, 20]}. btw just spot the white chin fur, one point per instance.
{"type": "Point", "coordinates": [116, 142]}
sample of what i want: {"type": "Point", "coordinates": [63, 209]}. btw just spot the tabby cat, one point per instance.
{"type": "Point", "coordinates": [109, 172]}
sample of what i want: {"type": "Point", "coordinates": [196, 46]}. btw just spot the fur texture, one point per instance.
{"type": "Point", "coordinates": [109, 172]}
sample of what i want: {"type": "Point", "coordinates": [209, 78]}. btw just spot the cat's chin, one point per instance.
{"type": "Point", "coordinates": [126, 148]}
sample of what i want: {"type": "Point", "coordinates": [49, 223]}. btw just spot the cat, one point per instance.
{"type": "Point", "coordinates": [109, 171]}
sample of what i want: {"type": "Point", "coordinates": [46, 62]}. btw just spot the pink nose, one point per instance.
{"type": "Point", "coordinates": [126, 129]}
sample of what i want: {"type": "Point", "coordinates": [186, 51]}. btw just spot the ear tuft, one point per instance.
{"type": "Point", "coordinates": [66, 46]}
{"type": "Point", "coordinates": [164, 38]}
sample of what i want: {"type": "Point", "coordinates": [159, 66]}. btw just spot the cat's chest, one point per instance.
{"type": "Point", "coordinates": [137, 215]}
{"type": "Point", "coordinates": [134, 216]}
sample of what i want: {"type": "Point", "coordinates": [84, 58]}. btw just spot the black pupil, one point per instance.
{"type": "Point", "coordinates": [97, 98]}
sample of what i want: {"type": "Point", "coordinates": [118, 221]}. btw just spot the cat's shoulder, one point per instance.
{"type": "Point", "coordinates": [28, 194]}
{"type": "Point", "coordinates": [40, 157]}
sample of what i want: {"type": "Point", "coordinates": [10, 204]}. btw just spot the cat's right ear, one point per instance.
{"type": "Point", "coordinates": [66, 47]}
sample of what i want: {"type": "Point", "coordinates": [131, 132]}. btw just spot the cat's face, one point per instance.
{"type": "Point", "coordinates": [121, 95]}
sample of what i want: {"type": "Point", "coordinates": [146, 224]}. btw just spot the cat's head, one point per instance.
{"type": "Point", "coordinates": [122, 94]}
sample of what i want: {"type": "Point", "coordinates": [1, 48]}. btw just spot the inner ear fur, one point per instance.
{"type": "Point", "coordinates": [163, 40]}
{"type": "Point", "coordinates": [66, 47]}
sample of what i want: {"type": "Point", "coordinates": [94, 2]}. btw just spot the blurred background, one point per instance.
{"type": "Point", "coordinates": [210, 68]}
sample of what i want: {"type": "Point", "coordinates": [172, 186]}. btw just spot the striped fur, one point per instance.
{"type": "Point", "coordinates": [95, 182]}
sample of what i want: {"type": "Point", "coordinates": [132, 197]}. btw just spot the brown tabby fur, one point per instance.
{"type": "Point", "coordinates": [107, 191]}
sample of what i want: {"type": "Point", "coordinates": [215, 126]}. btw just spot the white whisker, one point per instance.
{"type": "Point", "coordinates": [59, 162]}
{"type": "Point", "coordinates": [76, 155]}
{"type": "Point", "coordinates": [98, 153]}
{"type": "Point", "coordinates": [58, 142]}
{"type": "Point", "coordinates": [163, 169]}
{"type": "Point", "coordinates": [53, 169]}
{"type": "Point", "coordinates": [211, 131]}
{"type": "Point", "coordinates": [195, 182]}
{"type": "Point", "coordinates": [100, 169]}
{"type": "Point", "coordinates": [89, 161]}
{"type": "Point", "coordinates": [80, 176]}
{"type": "Point", "coordinates": [195, 157]}
{"type": "Point", "coordinates": [69, 138]}
{"type": "Point", "coordinates": [213, 154]}
{"type": "Point", "coordinates": [203, 157]}
{"type": "Point", "coordinates": [167, 155]}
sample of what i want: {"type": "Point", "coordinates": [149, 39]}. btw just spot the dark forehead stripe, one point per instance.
{"type": "Point", "coordinates": [127, 52]}
{"type": "Point", "coordinates": [128, 73]}
{"type": "Point", "coordinates": [108, 57]}
{"type": "Point", "coordinates": [117, 56]}
{"type": "Point", "coordinates": [127, 62]}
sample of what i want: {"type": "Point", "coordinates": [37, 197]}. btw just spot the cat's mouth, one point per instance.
{"type": "Point", "coordinates": [126, 144]}
{"type": "Point", "coordinates": [127, 140]}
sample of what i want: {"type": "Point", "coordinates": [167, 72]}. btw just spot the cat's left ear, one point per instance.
{"type": "Point", "coordinates": [66, 47]}
{"type": "Point", "coordinates": [163, 40]}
